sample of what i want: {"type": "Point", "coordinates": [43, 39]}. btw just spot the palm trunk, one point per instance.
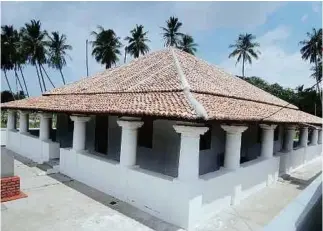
{"type": "Point", "coordinates": [41, 89]}
{"type": "Point", "coordinates": [6, 77]}
{"type": "Point", "coordinates": [42, 77]}
{"type": "Point", "coordinates": [23, 78]}
{"type": "Point", "coordinates": [317, 78]}
{"type": "Point", "coordinates": [60, 70]}
{"type": "Point", "coordinates": [17, 78]}
{"type": "Point", "coordinates": [125, 55]}
{"type": "Point", "coordinates": [243, 65]}
{"type": "Point", "coordinates": [47, 76]}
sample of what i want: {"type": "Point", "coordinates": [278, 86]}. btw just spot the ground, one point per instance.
{"type": "Point", "coordinates": [56, 202]}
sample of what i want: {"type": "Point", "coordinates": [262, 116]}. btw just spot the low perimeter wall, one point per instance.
{"type": "Point", "coordinates": [180, 203]}
{"type": "Point", "coordinates": [32, 147]}
{"type": "Point", "coordinates": [297, 158]}
{"type": "Point", "coordinates": [299, 214]}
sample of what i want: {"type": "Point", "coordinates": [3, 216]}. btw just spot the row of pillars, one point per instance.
{"type": "Point", "coordinates": [188, 168]}
{"type": "Point", "coordinates": [44, 127]}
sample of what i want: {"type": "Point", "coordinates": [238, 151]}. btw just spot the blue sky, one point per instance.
{"type": "Point", "coordinates": [279, 26]}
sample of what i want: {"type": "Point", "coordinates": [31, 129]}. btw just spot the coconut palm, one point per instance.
{"type": "Point", "coordinates": [6, 63]}
{"type": "Point", "coordinates": [171, 32]}
{"type": "Point", "coordinates": [34, 44]}
{"type": "Point", "coordinates": [312, 50]}
{"type": "Point", "coordinates": [57, 47]}
{"type": "Point", "coordinates": [10, 43]}
{"type": "Point", "coordinates": [106, 47]}
{"type": "Point", "coordinates": [137, 42]}
{"type": "Point", "coordinates": [245, 48]}
{"type": "Point", "coordinates": [187, 44]}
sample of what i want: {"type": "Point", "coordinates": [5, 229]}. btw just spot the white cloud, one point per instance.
{"type": "Point", "coordinates": [78, 19]}
{"type": "Point", "coordinates": [316, 6]}
{"type": "Point", "coordinates": [304, 18]}
{"type": "Point", "coordinates": [275, 64]}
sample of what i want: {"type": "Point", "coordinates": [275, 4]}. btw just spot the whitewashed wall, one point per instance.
{"type": "Point", "coordinates": [32, 147]}
{"type": "Point", "coordinates": [3, 136]}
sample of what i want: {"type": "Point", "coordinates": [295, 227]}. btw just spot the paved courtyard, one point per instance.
{"type": "Point", "coordinates": [56, 202]}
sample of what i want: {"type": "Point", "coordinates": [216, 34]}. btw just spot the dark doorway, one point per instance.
{"type": "Point", "coordinates": [101, 134]}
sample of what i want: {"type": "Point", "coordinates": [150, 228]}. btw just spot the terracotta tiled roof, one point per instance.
{"type": "Point", "coordinates": [168, 83]}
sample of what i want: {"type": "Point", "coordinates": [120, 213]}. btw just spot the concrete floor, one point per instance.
{"type": "Point", "coordinates": [56, 202]}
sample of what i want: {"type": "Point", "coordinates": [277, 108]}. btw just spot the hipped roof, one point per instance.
{"type": "Point", "coordinates": [167, 83]}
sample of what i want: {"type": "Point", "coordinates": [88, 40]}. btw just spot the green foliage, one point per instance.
{"type": "Point", "coordinates": [187, 44]}
{"type": "Point", "coordinates": [106, 47]}
{"type": "Point", "coordinates": [245, 48]}
{"type": "Point", "coordinates": [171, 33]}
{"type": "Point", "coordinates": [137, 42]}
{"type": "Point", "coordinates": [57, 47]}
{"type": "Point", "coordinates": [307, 100]}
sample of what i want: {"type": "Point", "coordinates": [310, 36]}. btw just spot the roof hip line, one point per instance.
{"type": "Point", "coordinates": [198, 107]}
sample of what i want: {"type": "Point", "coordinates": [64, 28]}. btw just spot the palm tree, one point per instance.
{"type": "Point", "coordinates": [171, 32]}
{"type": "Point", "coordinates": [187, 44]}
{"type": "Point", "coordinates": [57, 51]}
{"type": "Point", "coordinates": [137, 42]}
{"type": "Point", "coordinates": [6, 63]}
{"type": "Point", "coordinates": [245, 48]}
{"type": "Point", "coordinates": [106, 47]}
{"type": "Point", "coordinates": [10, 43]}
{"type": "Point", "coordinates": [34, 44]}
{"type": "Point", "coordinates": [312, 50]}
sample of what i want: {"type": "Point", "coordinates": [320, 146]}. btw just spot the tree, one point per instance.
{"type": "Point", "coordinates": [106, 47]}
{"type": "Point", "coordinates": [187, 44]}
{"type": "Point", "coordinates": [312, 51]}
{"type": "Point", "coordinates": [137, 42]}
{"type": "Point", "coordinates": [6, 63]}
{"type": "Point", "coordinates": [34, 44]}
{"type": "Point", "coordinates": [10, 43]}
{"type": "Point", "coordinates": [245, 48]}
{"type": "Point", "coordinates": [171, 32]}
{"type": "Point", "coordinates": [57, 48]}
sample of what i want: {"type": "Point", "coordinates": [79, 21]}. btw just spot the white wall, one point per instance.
{"type": "Point", "coordinates": [3, 136]}
{"type": "Point", "coordinates": [32, 147]}
{"type": "Point", "coordinates": [298, 157]}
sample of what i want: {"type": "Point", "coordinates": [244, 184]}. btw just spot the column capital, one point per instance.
{"type": "Point", "coordinates": [130, 124]}
{"type": "Point", "coordinates": [23, 112]}
{"type": "Point", "coordinates": [77, 118]}
{"type": "Point", "coordinates": [46, 115]}
{"type": "Point", "coordinates": [267, 126]}
{"type": "Point", "coordinates": [190, 131]}
{"type": "Point", "coordinates": [233, 129]}
{"type": "Point", "coordinates": [290, 127]}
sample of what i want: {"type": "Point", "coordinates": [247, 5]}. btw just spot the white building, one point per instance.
{"type": "Point", "coordinates": [169, 134]}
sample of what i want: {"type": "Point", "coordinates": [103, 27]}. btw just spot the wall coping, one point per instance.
{"type": "Point", "coordinates": [295, 212]}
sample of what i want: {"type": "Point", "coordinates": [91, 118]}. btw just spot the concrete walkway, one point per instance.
{"type": "Point", "coordinates": [56, 202]}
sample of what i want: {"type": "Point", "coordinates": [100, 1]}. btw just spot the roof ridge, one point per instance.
{"type": "Point", "coordinates": [198, 107]}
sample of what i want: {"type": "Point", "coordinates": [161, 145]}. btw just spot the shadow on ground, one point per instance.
{"type": "Point", "coordinates": [301, 183]}
{"type": "Point", "coordinates": [107, 200]}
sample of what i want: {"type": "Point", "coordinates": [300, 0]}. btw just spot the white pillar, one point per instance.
{"type": "Point", "coordinates": [188, 166]}
{"type": "Point", "coordinates": [44, 127]}
{"type": "Point", "coordinates": [289, 138]}
{"type": "Point", "coordinates": [303, 138]}
{"type": "Point", "coordinates": [314, 136]}
{"type": "Point", "coordinates": [23, 121]}
{"type": "Point", "coordinates": [319, 141]}
{"type": "Point", "coordinates": [267, 142]}
{"type": "Point", "coordinates": [79, 132]}
{"type": "Point", "coordinates": [233, 145]}
{"type": "Point", "coordinates": [129, 140]}
{"type": "Point", "coordinates": [11, 120]}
